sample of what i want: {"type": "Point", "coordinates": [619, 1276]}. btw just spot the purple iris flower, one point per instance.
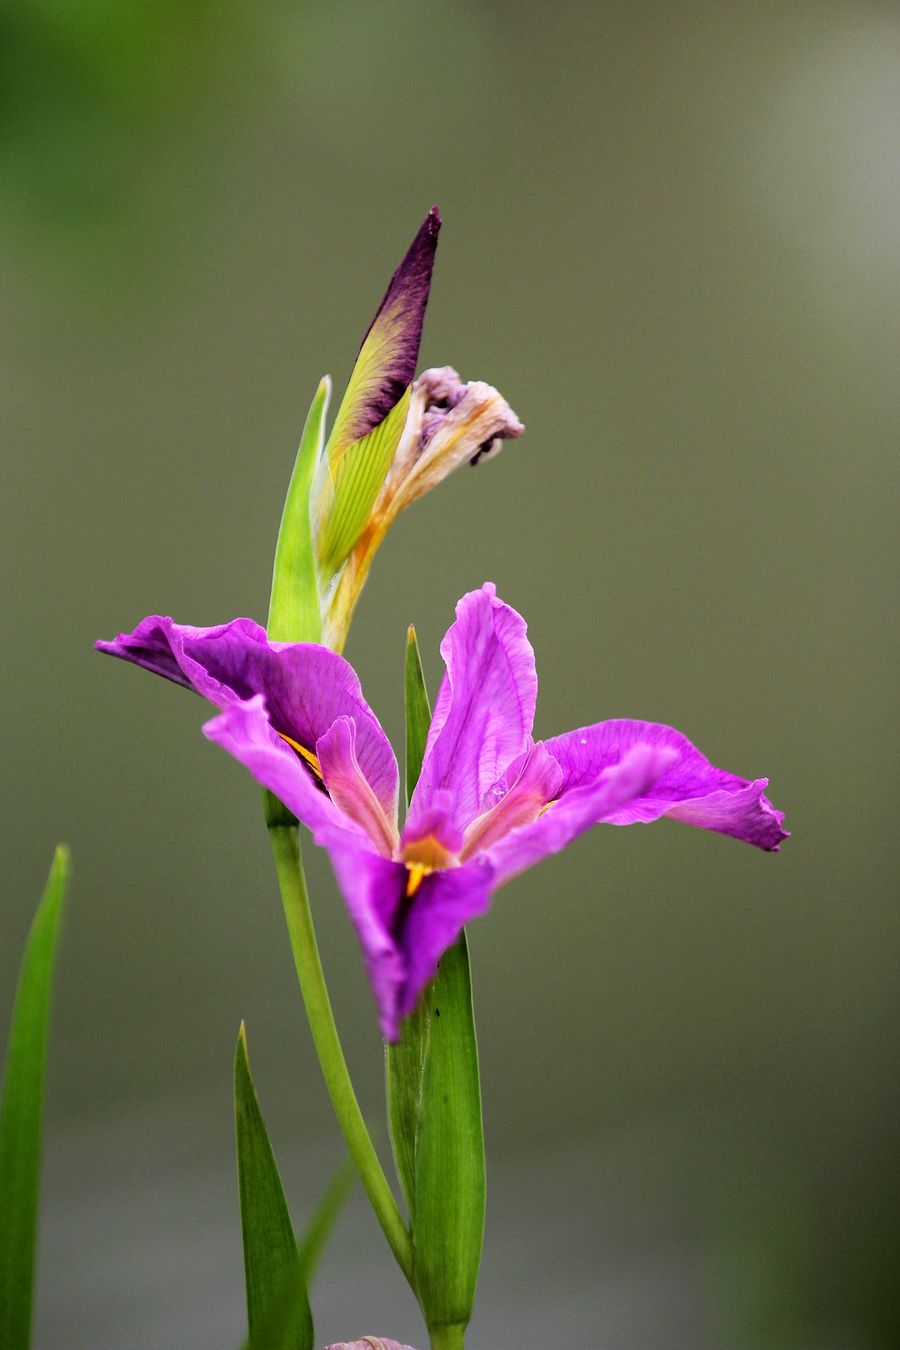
{"type": "Point", "coordinates": [489, 803]}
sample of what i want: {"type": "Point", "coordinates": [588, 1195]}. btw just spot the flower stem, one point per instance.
{"type": "Point", "coordinates": [295, 898]}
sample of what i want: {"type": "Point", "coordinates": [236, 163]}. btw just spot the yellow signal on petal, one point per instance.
{"type": "Point", "coordinates": [304, 754]}
{"type": "Point", "coordinates": [417, 874]}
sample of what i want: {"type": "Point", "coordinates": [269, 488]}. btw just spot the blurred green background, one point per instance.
{"type": "Point", "coordinates": [671, 239]}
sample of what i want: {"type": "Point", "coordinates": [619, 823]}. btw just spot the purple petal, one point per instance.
{"type": "Point", "coordinates": [691, 789]}
{"type": "Point", "coordinates": [373, 888]}
{"type": "Point", "coordinates": [244, 730]}
{"type": "Point", "coordinates": [403, 939]}
{"type": "Point", "coordinates": [442, 906]}
{"type": "Point", "coordinates": [577, 809]}
{"type": "Point", "coordinates": [198, 658]}
{"type": "Point", "coordinates": [386, 364]}
{"type": "Point", "coordinates": [435, 821]}
{"type": "Point", "coordinates": [485, 707]}
{"type": "Point", "coordinates": [306, 687]}
{"type": "Point", "coordinates": [530, 782]}
{"type": "Point", "coordinates": [348, 787]}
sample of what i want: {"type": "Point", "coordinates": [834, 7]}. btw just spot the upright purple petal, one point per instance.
{"type": "Point", "coordinates": [485, 707]}
{"type": "Point", "coordinates": [306, 687]}
{"type": "Point", "coordinates": [386, 364]}
{"type": "Point", "coordinates": [691, 789]}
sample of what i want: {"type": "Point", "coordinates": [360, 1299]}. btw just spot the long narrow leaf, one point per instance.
{"type": "Point", "coordinates": [282, 1326]}
{"type": "Point", "coordinates": [21, 1112]}
{"type": "Point", "coordinates": [318, 1230]}
{"type": "Point", "coordinates": [271, 1261]}
{"type": "Point", "coordinates": [418, 712]}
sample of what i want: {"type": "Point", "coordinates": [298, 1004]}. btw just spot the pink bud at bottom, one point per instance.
{"type": "Point", "coordinates": [369, 1343]}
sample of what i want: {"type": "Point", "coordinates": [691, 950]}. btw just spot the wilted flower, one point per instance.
{"type": "Point", "coordinates": [490, 802]}
{"type": "Point", "coordinates": [393, 439]}
{"type": "Point", "coordinates": [449, 423]}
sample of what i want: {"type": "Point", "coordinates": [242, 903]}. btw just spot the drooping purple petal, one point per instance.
{"type": "Point", "coordinates": [432, 922]}
{"type": "Point", "coordinates": [386, 364]}
{"type": "Point", "coordinates": [691, 789]}
{"type": "Point", "coordinates": [577, 809]}
{"type": "Point", "coordinates": [402, 937]}
{"type": "Point", "coordinates": [348, 787]}
{"type": "Point", "coordinates": [484, 711]}
{"type": "Point", "coordinates": [306, 687]}
{"type": "Point", "coordinates": [198, 658]}
{"type": "Point", "coordinates": [374, 888]}
{"type": "Point", "coordinates": [244, 730]}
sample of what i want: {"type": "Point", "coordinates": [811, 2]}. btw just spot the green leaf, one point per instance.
{"type": "Point", "coordinates": [294, 614]}
{"type": "Point", "coordinates": [318, 1230]}
{"type": "Point", "coordinates": [448, 1220]}
{"type": "Point", "coordinates": [354, 482]}
{"type": "Point", "coordinates": [277, 1299]}
{"type": "Point", "coordinates": [418, 712]}
{"type": "Point", "coordinates": [282, 1327]}
{"type": "Point", "coordinates": [21, 1112]}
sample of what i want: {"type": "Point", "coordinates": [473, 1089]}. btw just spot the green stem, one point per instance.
{"type": "Point", "coordinates": [448, 1337]}
{"type": "Point", "coordinates": [295, 898]}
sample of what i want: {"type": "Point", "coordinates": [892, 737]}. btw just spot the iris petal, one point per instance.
{"type": "Point", "coordinates": [484, 711]}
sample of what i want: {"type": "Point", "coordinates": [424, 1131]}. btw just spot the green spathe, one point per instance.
{"type": "Point", "coordinates": [294, 605]}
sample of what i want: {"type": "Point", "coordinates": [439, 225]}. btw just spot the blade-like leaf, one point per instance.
{"type": "Point", "coordinates": [21, 1112]}
{"type": "Point", "coordinates": [271, 1262]}
{"type": "Point", "coordinates": [318, 1230]}
{"type": "Point", "coordinates": [418, 712]}
{"type": "Point", "coordinates": [405, 1060]}
{"type": "Point", "coordinates": [448, 1221]}
{"type": "Point", "coordinates": [354, 481]}
{"type": "Point", "coordinates": [284, 1325]}
{"type": "Point", "coordinates": [280, 1328]}
{"type": "Point", "coordinates": [294, 605]}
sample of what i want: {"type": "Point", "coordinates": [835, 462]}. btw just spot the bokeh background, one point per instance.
{"type": "Point", "coordinates": [671, 239]}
